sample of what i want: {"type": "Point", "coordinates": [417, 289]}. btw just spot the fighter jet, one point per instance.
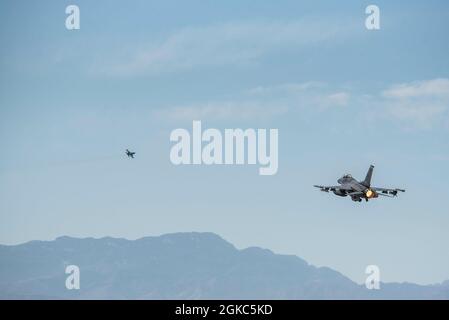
{"type": "Point", "coordinates": [130, 154]}
{"type": "Point", "coordinates": [359, 190]}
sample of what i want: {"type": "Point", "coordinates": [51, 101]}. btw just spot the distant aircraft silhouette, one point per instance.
{"type": "Point", "coordinates": [130, 154]}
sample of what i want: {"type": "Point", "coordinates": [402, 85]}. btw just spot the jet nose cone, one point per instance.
{"type": "Point", "coordinates": [339, 181]}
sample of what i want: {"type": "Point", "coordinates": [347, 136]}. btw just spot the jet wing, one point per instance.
{"type": "Point", "coordinates": [387, 191]}
{"type": "Point", "coordinates": [356, 193]}
{"type": "Point", "coordinates": [333, 188]}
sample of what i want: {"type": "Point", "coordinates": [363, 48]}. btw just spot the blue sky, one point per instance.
{"type": "Point", "coordinates": [341, 96]}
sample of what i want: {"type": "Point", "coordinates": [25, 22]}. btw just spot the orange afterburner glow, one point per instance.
{"type": "Point", "coordinates": [370, 193]}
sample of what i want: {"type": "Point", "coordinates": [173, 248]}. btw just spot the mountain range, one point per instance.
{"type": "Point", "coordinates": [189, 265]}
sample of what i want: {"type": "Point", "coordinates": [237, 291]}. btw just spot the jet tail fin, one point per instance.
{"type": "Point", "coordinates": [367, 181]}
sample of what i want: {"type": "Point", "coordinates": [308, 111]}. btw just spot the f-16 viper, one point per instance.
{"type": "Point", "coordinates": [130, 154]}
{"type": "Point", "coordinates": [359, 190]}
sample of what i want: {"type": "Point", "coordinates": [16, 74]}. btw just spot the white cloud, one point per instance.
{"type": "Point", "coordinates": [223, 44]}
{"type": "Point", "coordinates": [312, 94]}
{"type": "Point", "coordinates": [222, 110]}
{"type": "Point", "coordinates": [416, 105]}
{"type": "Point", "coordinates": [419, 104]}
{"type": "Point", "coordinates": [286, 88]}
{"type": "Point", "coordinates": [428, 88]}
{"type": "Point", "coordinates": [419, 115]}
{"type": "Point", "coordinates": [337, 99]}
{"type": "Point", "coordinates": [262, 102]}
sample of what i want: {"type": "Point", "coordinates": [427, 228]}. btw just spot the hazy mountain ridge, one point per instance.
{"type": "Point", "coordinates": [179, 266]}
